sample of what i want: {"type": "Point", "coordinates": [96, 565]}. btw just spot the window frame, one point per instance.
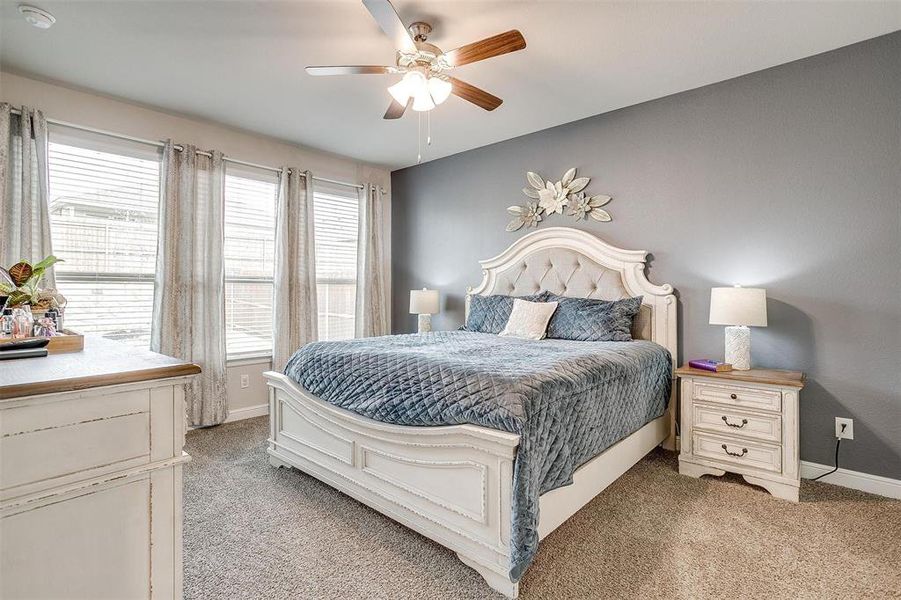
{"type": "Point", "coordinates": [340, 193]}
{"type": "Point", "coordinates": [234, 169]}
{"type": "Point", "coordinates": [90, 141]}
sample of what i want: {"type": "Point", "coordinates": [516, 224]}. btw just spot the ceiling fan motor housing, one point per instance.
{"type": "Point", "coordinates": [420, 31]}
{"type": "Point", "coordinates": [428, 58]}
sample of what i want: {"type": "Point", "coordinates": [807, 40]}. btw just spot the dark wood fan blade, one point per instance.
{"type": "Point", "coordinates": [396, 110]}
{"type": "Point", "coordinates": [352, 70]}
{"type": "Point", "coordinates": [471, 93]}
{"type": "Point", "coordinates": [502, 43]}
{"type": "Point", "coordinates": [385, 15]}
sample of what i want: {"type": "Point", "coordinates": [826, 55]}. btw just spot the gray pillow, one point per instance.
{"type": "Point", "coordinates": [588, 320]}
{"type": "Point", "coordinates": [489, 314]}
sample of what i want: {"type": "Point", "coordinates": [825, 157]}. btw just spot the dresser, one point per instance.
{"type": "Point", "coordinates": [743, 422]}
{"type": "Point", "coordinates": [91, 474]}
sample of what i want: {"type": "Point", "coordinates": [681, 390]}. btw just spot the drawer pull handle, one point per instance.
{"type": "Point", "coordinates": [743, 423]}
{"type": "Point", "coordinates": [742, 453]}
{"type": "Point", "coordinates": [733, 396]}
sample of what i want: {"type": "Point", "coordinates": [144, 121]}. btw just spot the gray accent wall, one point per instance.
{"type": "Point", "coordinates": [788, 179]}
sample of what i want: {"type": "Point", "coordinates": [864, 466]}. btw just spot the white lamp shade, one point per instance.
{"type": "Point", "coordinates": [439, 89]}
{"type": "Point", "coordinates": [422, 101]}
{"type": "Point", "coordinates": [412, 84]}
{"type": "Point", "coordinates": [738, 306]}
{"type": "Point", "coordinates": [423, 302]}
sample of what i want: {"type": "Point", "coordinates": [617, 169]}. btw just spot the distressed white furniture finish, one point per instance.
{"type": "Point", "coordinates": [454, 484]}
{"type": "Point", "coordinates": [91, 474]}
{"type": "Point", "coordinates": [744, 422]}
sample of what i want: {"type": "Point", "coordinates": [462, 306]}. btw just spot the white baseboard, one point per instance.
{"type": "Point", "coordinates": [248, 412]}
{"type": "Point", "coordinates": [874, 484]}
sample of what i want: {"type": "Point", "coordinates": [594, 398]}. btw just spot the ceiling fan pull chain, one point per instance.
{"type": "Point", "coordinates": [418, 138]}
{"type": "Point", "coordinates": [428, 120]}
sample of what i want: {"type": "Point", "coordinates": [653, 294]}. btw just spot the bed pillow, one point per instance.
{"type": "Point", "coordinates": [529, 319]}
{"type": "Point", "coordinates": [588, 320]}
{"type": "Point", "coordinates": [489, 314]}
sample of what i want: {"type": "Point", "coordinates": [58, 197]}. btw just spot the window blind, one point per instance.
{"type": "Point", "coordinates": [104, 203]}
{"type": "Point", "coordinates": [336, 215]}
{"type": "Point", "coordinates": [250, 201]}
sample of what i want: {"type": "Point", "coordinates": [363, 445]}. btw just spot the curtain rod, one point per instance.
{"type": "Point", "coordinates": [180, 148]}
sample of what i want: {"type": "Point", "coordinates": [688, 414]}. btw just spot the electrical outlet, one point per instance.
{"type": "Point", "coordinates": [245, 381]}
{"type": "Point", "coordinates": [848, 433]}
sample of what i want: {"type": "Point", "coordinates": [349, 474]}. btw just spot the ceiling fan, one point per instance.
{"type": "Point", "coordinates": [424, 66]}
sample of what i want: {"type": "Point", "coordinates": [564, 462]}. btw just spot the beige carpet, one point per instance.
{"type": "Point", "coordinates": [253, 531]}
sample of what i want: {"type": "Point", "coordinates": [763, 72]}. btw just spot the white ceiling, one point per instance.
{"type": "Point", "coordinates": [241, 62]}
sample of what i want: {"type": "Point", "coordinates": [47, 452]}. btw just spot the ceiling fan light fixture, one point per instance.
{"type": "Point", "coordinates": [440, 89]}
{"type": "Point", "coordinates": [412, 85]}
{"type": "Point", "coordinates": [422, 101]}
{"type": "Point", "coordinates": [400, 92]}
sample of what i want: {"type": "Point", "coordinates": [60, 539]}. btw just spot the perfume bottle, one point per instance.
{"type": "Point", "coordinates": [23, 322]}
{"type": "Point", "coordinates": [6, 323]}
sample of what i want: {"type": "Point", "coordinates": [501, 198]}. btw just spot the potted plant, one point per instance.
{"type": "Point", "coordinates": [20, 285]}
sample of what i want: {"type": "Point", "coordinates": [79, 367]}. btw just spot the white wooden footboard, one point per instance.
{"type": "Point", "coordinates": [451, 484]}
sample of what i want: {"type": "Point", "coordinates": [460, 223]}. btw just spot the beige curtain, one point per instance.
{"type": "Point", "coordinates": [24, 210]}
{"type": "Point", "coordinates": [295, 319]}
{"type": "Point", "coordinates": [371, 317]}
{"type": "Point", "coordinates": [189, 292]}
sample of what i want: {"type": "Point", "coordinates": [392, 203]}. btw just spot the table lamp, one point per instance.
{"type": "Point", "coordinates": [425, 304]}
{"type": "Point", "coordinates": [739, 308]}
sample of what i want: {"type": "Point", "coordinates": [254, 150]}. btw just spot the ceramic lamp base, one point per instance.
{"type": "Point", "coordinates": [425, 323]}
{"type": "Point", "coordinates": [738, 347]}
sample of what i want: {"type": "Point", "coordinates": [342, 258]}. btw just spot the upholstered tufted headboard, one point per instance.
{"type": "Point", "coordinates": [574, 263]}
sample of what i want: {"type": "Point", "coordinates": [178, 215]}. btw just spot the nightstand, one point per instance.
{"type": "Point", "coordinates": [744, 422]}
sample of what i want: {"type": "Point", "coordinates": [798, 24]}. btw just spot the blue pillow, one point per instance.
{"type": "Point", "coordinates": [489, 314]}
{"type": "Point", "coordinates": [588, 320]}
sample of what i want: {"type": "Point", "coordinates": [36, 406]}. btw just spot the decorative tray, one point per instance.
{"type": "Point", "coordinates": [69, 341]}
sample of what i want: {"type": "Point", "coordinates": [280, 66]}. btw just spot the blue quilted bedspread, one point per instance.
{"type": "Point", "coordinates": [569, 401]}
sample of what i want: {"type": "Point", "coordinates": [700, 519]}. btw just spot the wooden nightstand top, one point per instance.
{"type": "Point", "coordinates": [767, 376]}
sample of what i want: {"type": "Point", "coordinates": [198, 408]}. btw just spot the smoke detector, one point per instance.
{"type": "Point", "coordinates": [37, 17]}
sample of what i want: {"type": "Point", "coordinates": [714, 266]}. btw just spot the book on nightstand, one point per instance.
{"type": "Point", "coordinates": [710, 365]}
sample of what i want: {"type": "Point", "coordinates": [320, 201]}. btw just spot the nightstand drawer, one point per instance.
{"type": "Point", "coordinates": [767, 457]}
{"type": "Point", "coordinates": [737, 423]}
{"type": "Point", "coordinates": [736, 395]}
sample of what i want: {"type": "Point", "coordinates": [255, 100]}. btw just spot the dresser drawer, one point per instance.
{"type": "Point", "coordinates": [767, 457]}
{"type": "Point", "coordinates": [739, 396]}
{"type": "Point", "coordinates": [737, 423]}
{"type": "Point", "coordinates": [58, 442]}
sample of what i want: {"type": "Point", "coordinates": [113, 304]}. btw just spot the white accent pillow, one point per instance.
{"type": "Point", "coordinates": [529, 319]}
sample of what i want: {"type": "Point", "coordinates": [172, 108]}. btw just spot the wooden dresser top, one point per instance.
{"type": "Point", "coordinates": [102, 362]}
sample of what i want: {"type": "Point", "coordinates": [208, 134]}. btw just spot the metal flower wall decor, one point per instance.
{"type": "Point", "coordinates": [554, 197]}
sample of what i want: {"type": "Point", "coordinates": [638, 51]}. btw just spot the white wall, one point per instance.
{"type": "Point", "coordinates": [110, 114]}
{"type": "Point", "coordinates": [244, 402]}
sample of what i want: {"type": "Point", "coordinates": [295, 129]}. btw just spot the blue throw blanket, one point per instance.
{"type": "Point", "coordinates": [568, 401]}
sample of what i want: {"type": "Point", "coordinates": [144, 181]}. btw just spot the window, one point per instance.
{"type": "Point", "coordinates": [104, 202]}
{"type": "Point", "coordinates": [337, 214]}
{"type": "Point", "coordinates": [250, 200]}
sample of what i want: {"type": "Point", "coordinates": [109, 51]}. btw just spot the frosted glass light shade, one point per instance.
{"type": "Point", "coordinates": [738, 306]}
{"type": "Point", "coordinates": [423, 302]}
{"type": "Point", "coordinates": [400, 91]}
{"type": "Point", "coordinates": [413, 84]}
{"type": "Point", "coordinates": [422, 101]}
{"type": "Point", "coordinates": [440, 89]}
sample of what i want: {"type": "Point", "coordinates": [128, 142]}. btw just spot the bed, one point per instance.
{"type": "Point", "coordinates": [455, 483]}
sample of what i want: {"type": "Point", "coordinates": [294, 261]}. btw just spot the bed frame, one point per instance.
{"type": "Point", "coordinates": [454, 484]}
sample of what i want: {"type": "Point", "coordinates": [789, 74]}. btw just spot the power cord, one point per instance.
{"type": "Point", "coordinates": [838, 444]}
